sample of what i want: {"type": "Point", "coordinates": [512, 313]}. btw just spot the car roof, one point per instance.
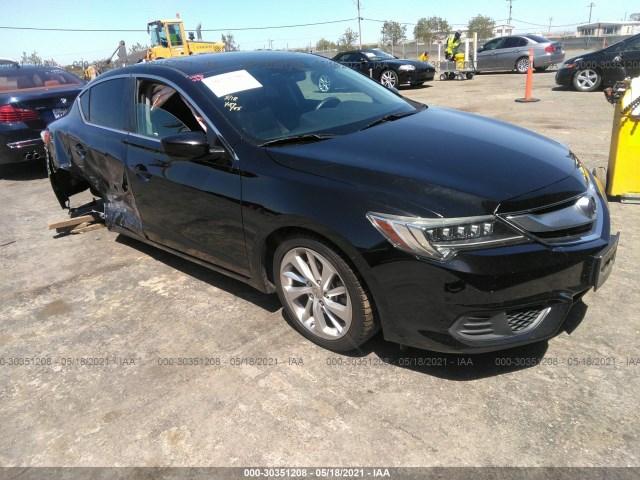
{"type": "Point", "coordinates": [213, 62]}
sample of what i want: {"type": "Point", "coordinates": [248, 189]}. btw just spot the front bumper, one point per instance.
{"type": "Point", "coordinates": [416, 76]}
{"type": "Point", "coordinates": [488, 299]}
{"type": "Point", "coordinates": [564, 77]}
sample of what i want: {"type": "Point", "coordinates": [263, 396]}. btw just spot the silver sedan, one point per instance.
{"type": "Point", "coordinates": [512, 53]}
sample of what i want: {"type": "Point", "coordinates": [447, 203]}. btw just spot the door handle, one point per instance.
{"type": "Point", "coordinates": [80, 150]}
{"type": "Point", "coordinates": [142, 172]}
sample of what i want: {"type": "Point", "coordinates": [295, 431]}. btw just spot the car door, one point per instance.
{"type": "Point", "coordinates": [511, 49]}
{"type": "Point", "coordinates": [98, 147]}
{"type": "Point", "coordinates": [487, 54]}
{"type": "Point", "coordinates": [189, 204]}
{"type": "Point", "coordinates": [630, 55]}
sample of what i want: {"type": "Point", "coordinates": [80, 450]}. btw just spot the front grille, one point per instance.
{"type": "Point", "coordinates": [575, 221]}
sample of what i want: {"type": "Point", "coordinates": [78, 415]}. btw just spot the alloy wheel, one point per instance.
{"type": "Point", "coordinates": [315, 293]}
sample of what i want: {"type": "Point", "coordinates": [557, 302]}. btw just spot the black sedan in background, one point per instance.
{"type": "Point", "coordinates": [351, 205]}
{"type": "Point", "coordinates": [30, 98]}
{"type": "Point", "coordinates": [593, 70]}
{"type": "Point", "coordinates": [379, 65]}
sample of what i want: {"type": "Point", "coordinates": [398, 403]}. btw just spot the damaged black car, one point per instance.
{"type": "Point", "coordinates": [351, 205]}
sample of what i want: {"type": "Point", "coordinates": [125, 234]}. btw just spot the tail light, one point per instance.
{"type": "Point", "coordinates": [549, 49]}
{"type": "Point", "coordinates": [9, 113]}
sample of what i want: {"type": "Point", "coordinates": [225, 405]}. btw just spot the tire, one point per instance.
{"type": "Point", "coordinates": [324, 83]}
{"type": "Point", "coordinates": [443, 76]}
{"type": "Point", "coordinates": [522, 65]}
{"type": "Point", "coordinates": [469, 76]}
{"type": "Point", "coordinates": [587, 80]}
{"type": "Point", "coordinates": [337, 315]}
{"type": "Point", "coordinates": [389, 78]}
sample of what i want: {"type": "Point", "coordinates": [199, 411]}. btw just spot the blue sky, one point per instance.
{"type": "Point", "coordinates": [67, 47]}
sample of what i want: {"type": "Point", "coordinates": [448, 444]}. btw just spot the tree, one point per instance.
{"type": "Point", "coordinates": [634, 17]}
{"type": "Point", "coordinates": [348, 38]}
{"type": "Point", "coordinates": [429, 29]}
{"type": "Point", "coordinates": [324, 44]}
{"type": "Point", "coordinates": [481, 25]}
{"type": "Point", "coordinates": [229, 42]}
{"type": "Point", "coordinates": [393, 32]}
{"type": "Point", "coordinates": [138, 47]}
{"type": "Point", "coordinates": [32, 59]}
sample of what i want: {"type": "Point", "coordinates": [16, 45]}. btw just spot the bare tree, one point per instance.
{"type": "Point", "coordinates": [348, 38]}
{"type": "Point", "coordinates": [229, 42]}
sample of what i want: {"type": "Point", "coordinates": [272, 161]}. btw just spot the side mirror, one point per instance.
{"type": "Point", "coordinates": [185, 145]}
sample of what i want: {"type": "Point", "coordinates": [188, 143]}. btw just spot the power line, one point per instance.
{"type": "Point", "coordinates": [204, 30]}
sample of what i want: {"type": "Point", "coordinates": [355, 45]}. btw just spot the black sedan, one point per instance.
{"type": "Point", "coordinates": [602, 68]}
{"type": "Point", "coordinates": [387, 69]}
{"type": "Point", "coordinates": [352, 206]}
{"type": "Point", "coordinates": [30, 98]}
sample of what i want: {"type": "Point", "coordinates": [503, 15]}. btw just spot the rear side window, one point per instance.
{"type": "Point", "coordinates": [537, 38]}
{"type": "Point", "coordinates": [84, 103]}
{"type": "Point", "coordinates": [106, 104]}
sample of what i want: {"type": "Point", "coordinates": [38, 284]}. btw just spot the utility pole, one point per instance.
{"type": "Point", "coordinates": [359, 24]}
{"type": "Point", "coordinates": [591, 5]}
{"type": "Point", "coordinates": [509, 19]}
{"type": "Point", "coordinates": [550, 19]}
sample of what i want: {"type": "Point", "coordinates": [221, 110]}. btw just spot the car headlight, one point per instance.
{"type": "Point", "coordinates": [406, 67]}
{"type": "Point", "coordinates": [572, 63]}
{"type": "Point", "coordinates": [441, 238]}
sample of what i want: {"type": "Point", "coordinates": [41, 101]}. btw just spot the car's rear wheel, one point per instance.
{"type": "Point", "coordinates": [322, 295]}
{"type": "Point", "coordinates": [389, 78]}
{"type": "Point", "coordinates": [522, 65]}
{"type": "Point", "coordinates": [587, 80]}
{"type": "Point", "coordinates": [324, 83]}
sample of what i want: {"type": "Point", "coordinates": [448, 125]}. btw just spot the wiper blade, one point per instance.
{"type": "Point", "coordinates": [389, 118]}
{"type": "Point", "coordinates": [295, 139]}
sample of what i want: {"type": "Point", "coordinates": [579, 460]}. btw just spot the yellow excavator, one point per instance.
{"type": "Point", "coordinates": [168, 40]}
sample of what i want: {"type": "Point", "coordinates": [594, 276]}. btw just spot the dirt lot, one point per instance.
{"type": "Point", "coordinates": [69, 302]}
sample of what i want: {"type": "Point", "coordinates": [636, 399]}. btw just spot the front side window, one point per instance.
{"type": "Point", "coordinates": [162, 111]}
{"type": "Point", "coordinates": [493, 44]}
{"type": "Point", "coordinates": [175, 37]}
{"type": "Point", "coordinates": [106, 104]}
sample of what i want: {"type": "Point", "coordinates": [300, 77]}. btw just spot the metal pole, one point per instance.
{"type": "Point", "coordinates": [550, 18]}
{"type": "Point", "coordinates": [591, 5]}
{"type": "Point", "coordinates": [510, 6]}
{"type": "Point", "coordinates": [359, 25]}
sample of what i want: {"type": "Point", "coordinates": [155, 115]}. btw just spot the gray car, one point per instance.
{"type": "Point", "coordinates": [512, 53]}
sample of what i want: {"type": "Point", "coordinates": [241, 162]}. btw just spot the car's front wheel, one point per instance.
{"type": "Point", "coordinates": [587, 80]}
{"type": "Point", "coordinates": [324, 83]}
{"type": "Point", "coordinates": [322, 295]}
{"type": "Point", "coordinates": [389, 78]}
{"type": "Point", "coordinates": [522, 65]}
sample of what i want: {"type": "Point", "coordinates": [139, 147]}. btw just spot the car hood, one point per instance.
{"type": "Point", "coordinates": [443, 161]}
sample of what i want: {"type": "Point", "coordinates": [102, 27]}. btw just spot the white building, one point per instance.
{"type": "Point", "coordinates": [599, 29]}
{"type": "Point", "coordinates": [502, 30]}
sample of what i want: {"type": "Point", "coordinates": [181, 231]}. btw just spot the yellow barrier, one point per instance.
{"type": "Point", "coordinates": [623, 173]}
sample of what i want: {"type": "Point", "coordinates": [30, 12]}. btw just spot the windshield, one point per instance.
{"type": "Point", "coordinates": [378, 55]}
{"type": "Point", "coordinates": [158, 35]}
{"type": "Point", "coordinates": [270, 101]}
